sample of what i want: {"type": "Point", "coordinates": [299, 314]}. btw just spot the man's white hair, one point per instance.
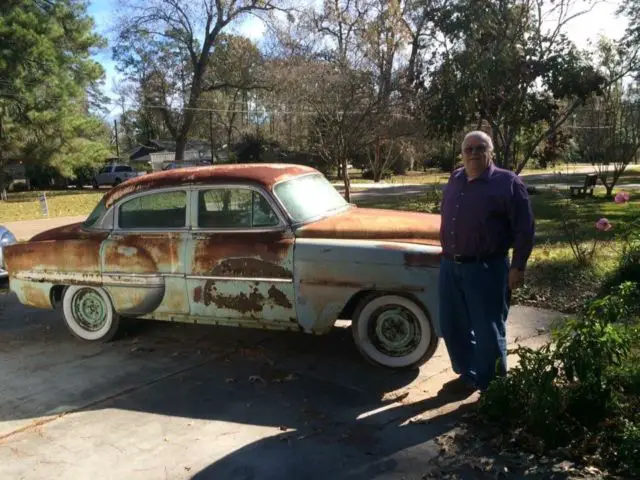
{"type": "Point", "coordinates": [478, 134]}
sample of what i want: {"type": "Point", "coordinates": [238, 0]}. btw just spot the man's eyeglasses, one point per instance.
{"type": "Point", "coordinates": [477, 148]}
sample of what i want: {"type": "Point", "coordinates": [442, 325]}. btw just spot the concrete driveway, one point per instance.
{"type": "Point", "coordinates": [187, 401]}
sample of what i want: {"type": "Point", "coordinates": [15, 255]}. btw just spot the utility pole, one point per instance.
{"type": "Point", "coordinates": [211, 133]}
{"type": "Point", "coordinates": [115, 125]}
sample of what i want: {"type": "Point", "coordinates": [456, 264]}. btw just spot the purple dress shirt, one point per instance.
{"type": "Point", "coordinates": [488, 215]}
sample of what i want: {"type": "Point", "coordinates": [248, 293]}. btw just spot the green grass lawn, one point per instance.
{"type": "Point", "coordinates": [61, 203]}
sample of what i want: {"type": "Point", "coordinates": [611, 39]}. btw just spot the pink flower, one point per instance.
{"type": "Point", "coordinates": [622, 197]}
{"type": "Point", "coordinates": [603, 225]}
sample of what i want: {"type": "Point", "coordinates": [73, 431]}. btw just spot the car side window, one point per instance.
{"type": "Point", "coordinates": [105, 170]}
{"type": "Point", "coordinates": [123, 168]}
{"type": "Point", "coordinates": [234, 208]}
{"type": "Point", "coordinates": [155, 210]}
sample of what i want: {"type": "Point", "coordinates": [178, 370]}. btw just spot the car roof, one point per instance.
{"type": "Point", "coordinates": [264, 174]}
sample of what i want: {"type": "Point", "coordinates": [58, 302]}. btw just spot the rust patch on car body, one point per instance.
{"type": "Point", "coordinates": [54, 255]}
{"type": "Point", "coordinates": [377, 224]}
{"type": "Point", "coordinates": [264, 174]}
{"type": "Point", "coordinates": [143, 253]}
{"type": "Point", "coordinates": [197, 294]}
{"type": "Point", "coordinates": [259, 255]}
{"type": "Point", "coordinates": [279, 298]}
{"type": "Point", "coordinates": [242, 302]}
{"type": "Point", "coordinates": [35, 296]}
{"type": "Point", "coordinates": [249, 267]}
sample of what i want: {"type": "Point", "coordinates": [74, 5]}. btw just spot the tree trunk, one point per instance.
{"type": "Point", "coordinates": [347, 182]}
{"type": "Point", "coordinates": [3, 189]}
{"type": "Point", "coordinates": [181, 145]}
{"type": "Point", "coordinates": [609, 188]}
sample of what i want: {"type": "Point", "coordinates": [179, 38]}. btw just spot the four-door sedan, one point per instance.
{"type": "Point", "coordinates": [272, 246]}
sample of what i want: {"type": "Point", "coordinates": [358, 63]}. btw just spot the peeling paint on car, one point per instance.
{"type": "Point", "coordinates": [370, 224]}
{"type": "Point", "coordinates": [281, 278]}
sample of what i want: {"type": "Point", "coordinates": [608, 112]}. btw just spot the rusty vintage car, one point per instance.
{"type": "Point", "coordinates": [271, 246]}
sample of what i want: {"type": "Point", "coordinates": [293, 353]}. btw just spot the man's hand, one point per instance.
{"type": "Point", "coordinates": [516, 278]}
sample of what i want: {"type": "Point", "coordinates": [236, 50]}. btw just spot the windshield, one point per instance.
{"type": "Point", "coordinates": [309, 197]}
{"type": "Point", "coordinates": [95, 215]}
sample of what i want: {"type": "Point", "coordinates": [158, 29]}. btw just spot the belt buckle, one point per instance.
{"type": "Point", "coordinates": [457, 258]}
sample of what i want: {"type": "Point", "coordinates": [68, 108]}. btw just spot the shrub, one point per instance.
{"type": "Point", "coordinates": [581, 389]}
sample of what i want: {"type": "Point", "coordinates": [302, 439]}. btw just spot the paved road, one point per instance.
{"type": "Point", "coordinates": [188, 401]}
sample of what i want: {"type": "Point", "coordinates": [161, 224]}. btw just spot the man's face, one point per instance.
{"type": "Point", "coordinates": [476, 154]}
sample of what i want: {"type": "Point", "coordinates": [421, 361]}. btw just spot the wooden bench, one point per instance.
{"type": "Point", "coordinates": [590, 181]}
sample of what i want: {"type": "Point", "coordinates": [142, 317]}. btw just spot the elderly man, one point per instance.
{"type": "Point", "coordinates": [485, 212]}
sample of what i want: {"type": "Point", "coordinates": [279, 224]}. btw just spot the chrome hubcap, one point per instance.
{"type": "Point", "coordinates": [395, 331]}
{"type": "Point", "coordinates": [89, 309]}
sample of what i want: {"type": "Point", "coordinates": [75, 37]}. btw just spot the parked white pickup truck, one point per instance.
{"type": "Point", "coordinates": [114, 174]}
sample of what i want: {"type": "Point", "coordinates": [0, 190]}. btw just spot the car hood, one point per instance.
{"type": "Point", "coordinates": [377, 224]}
{"type": "Point", "coordinates": [73, 231]}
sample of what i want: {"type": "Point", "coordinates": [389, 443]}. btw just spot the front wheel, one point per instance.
{"type": "Point", "coordinates": [89, 314]}
{"type": "Point", "coordinates": [394, 332]}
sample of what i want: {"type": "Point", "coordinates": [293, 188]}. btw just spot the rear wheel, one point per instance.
{"type": "Point", "coordinates": [89, 314]}
{"type": "Point", "coordinates": [394, 332]}
{"type": "Point", "coordinates": [117, 182]}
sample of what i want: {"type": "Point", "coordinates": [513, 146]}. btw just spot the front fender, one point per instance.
{"type": "Point", "coordinates": [328, 273]}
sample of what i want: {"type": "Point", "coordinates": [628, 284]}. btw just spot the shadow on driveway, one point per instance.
{"type": "Point", "coordinates": [258, 404]}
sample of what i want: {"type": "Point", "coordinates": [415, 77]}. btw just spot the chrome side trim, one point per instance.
{"type": "Point", "coordinates": [240, 279]}
{"type": "Point", "coordinates": [81, 278]}
{"type": "Point", "coordinates": [143, 275]}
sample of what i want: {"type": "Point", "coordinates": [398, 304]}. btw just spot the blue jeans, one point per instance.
{"type": "Point", "coordinates": [474, 303]}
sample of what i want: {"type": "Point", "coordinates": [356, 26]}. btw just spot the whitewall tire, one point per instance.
{"type": "Point", "coordinates": [394, 332]}
{"type": "Point", "coordinates": [89, 314]}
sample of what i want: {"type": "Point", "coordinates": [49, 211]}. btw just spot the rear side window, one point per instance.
{"type": "Point", "coordinates": [123, 168]}
{"type": "Point", "coordinates": [155, 210]}
{"type": "Point", "coordinates": [238, 208]}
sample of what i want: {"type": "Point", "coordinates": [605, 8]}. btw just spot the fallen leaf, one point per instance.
{"type": "Point", "coordinates": [256, 378]}
{"type": "Point", "coordinates": [230, 380]}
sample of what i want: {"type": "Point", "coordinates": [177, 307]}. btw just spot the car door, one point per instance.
{"type": "Point", "coordinates": [240, 258]}
{"type": "Point", "coordinates": [144, 256]}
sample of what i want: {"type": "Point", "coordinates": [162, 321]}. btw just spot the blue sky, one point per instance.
{"type": "Point", "coordinates": [601, 20]}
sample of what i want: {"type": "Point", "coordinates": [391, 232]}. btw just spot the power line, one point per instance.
{"type": "Point", "coordinates": [269, 111]}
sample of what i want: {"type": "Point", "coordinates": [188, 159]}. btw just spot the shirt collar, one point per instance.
{"type": "Point", "coordinates": [486, 175]}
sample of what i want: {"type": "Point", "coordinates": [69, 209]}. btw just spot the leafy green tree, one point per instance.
{"type": "Point", "coordinates": [48, 83]}
{"type": "Point", "coordinates": [502, 69]}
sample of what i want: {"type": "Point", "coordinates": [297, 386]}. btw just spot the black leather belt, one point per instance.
{"type": "Point", "coordinates": [472, 258]}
